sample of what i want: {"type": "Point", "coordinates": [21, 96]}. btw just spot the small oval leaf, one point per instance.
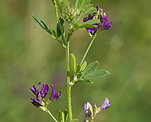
{"type": "Point", "coordinates": [78, 69]}
{"type": "Point", "coordinates": [88, 26]}
{"type": "Point", "coordinates": [83, 65]}
{"type": "Point", "coordinates": [73, 60]}
{"type": "Point", "coordinates": [89, 22]}
{"type": "Point", "coordinates": [97, 74]}
{"type": "Point", "coordinates": [90, 68]}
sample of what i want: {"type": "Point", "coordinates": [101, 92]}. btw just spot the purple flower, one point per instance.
{"type": "Point", "coordinates": [103, 25]}
{"type": "Point", "coordinates": [105, 104]}
{"type": "Point", "coordinates": [84, 120]}
{"type": "Point", "coordinates": [35, 89]}
{"type": "Point", "coordinates": [44, 90]}
{"type": "Point", "coordinates": [54, 95]}
{"type": "Point", "coordinates": [39, 101]}
{"type": "Point", "coordinates": [88, 109]}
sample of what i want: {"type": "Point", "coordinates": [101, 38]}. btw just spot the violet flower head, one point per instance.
{"type": "Point", "coordinates": [88, 109]}
{"type": "Point", "coordinates": [40, 96]}
{"type": "Point", "coordinates": [54, 95]}
{"type": "Point", "coordinates": [105, 104]}
{"type": "Point", "coordinates": [103, 25]}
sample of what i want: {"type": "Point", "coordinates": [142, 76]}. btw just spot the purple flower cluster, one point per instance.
{"type": "Point", "coordinates": [39, 101]}
{"type": "Point", "coordinates": [103, 25]}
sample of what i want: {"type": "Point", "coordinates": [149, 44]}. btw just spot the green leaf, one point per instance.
{"type": "Point", "coordinates": [96, 74]}
{"type": "Point", "coordinates": [90, 10]}
{"type": "Point", "coordinates": [88, 81]}
{"type": "Point", "coordinates": [90, 68]}
{"type": "Point", "coordinates": [88, 26]}
{"type": "Point", "coordinates": [78, 3]}
{"type": "Point", "coordinates": [89, 22]}
{"type": "Point", "coordinates": [65, 4]}
{"type": "Point", "coordinates": [84, 65]}
{"type": "Point", "coordinates": [63, 117]}
{"type": "Point", "coordinates": [59, 116]}
{"type": "Point", "coordinates": [81, 3]}
{"type": "Point", "coordinates": [60, 26]}
{"type": "Point", "coordinates": [65, 113]}
{"type": "Point", "coordinates": [59, 6]}
{"type": "Point", "coordinates": [55, 34]}
{"type": "Point", "coordinates": [78, 69]}
{"type": "Point", "coordinates": [87, 10]}
{"type": "Point", "coordinates": [75, 26]}
{"type": "Point", "coordinates": [73, 60]}
{"type": "Point", "coordinates": [85, 2]}
{"type": "Point", "coordinates": [42, 24]}
{"type": "Point", "coordinates": [74, 120]}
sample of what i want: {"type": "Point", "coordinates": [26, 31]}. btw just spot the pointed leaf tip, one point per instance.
{"type": "Point", "coordinates": [42, 24]}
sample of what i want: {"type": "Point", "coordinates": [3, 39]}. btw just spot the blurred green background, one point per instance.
{"type": "Point", "coordinates": [28, 55]}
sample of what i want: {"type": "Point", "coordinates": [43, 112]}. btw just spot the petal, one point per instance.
{"type": "Point", "coordinates": [35, 101]}
{"type": "Point", "coordinates": [84, 120]}
{"type": "Point", "coordinates": [44, 90]}
{"type": "Point", "coordinates": [35, 89]}
{"type": "Point", "coordinates": [97, 7]}
{"type": "Point", "coordinates": [38, 97]}
{"type": "Point", "coordinates": [89, 16]}
{"type": "Point", "coordinates": [90, 30]}
{"type": "Point", "coordinates": [53, 92]}
{"type": "Point", "coordinates": [87, 109]}
{"type": "Point", "coordinates": [107, 26]}
{"type": "Point", "coordinates": [85, 19]}
{"type": "Point", "coordinates": [105, 104]}
{"type": "Point", "coordinates": [57, 95]}
{"type": "Point", "coordinates": [105, 18]}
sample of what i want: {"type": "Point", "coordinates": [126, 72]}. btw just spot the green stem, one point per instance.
{"type": "Point", "coordinates": [87, 50]}
{"type": "Point", "coordinates": [51, 115]}
{"type": "Point", "coordinates": [68, 79]}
